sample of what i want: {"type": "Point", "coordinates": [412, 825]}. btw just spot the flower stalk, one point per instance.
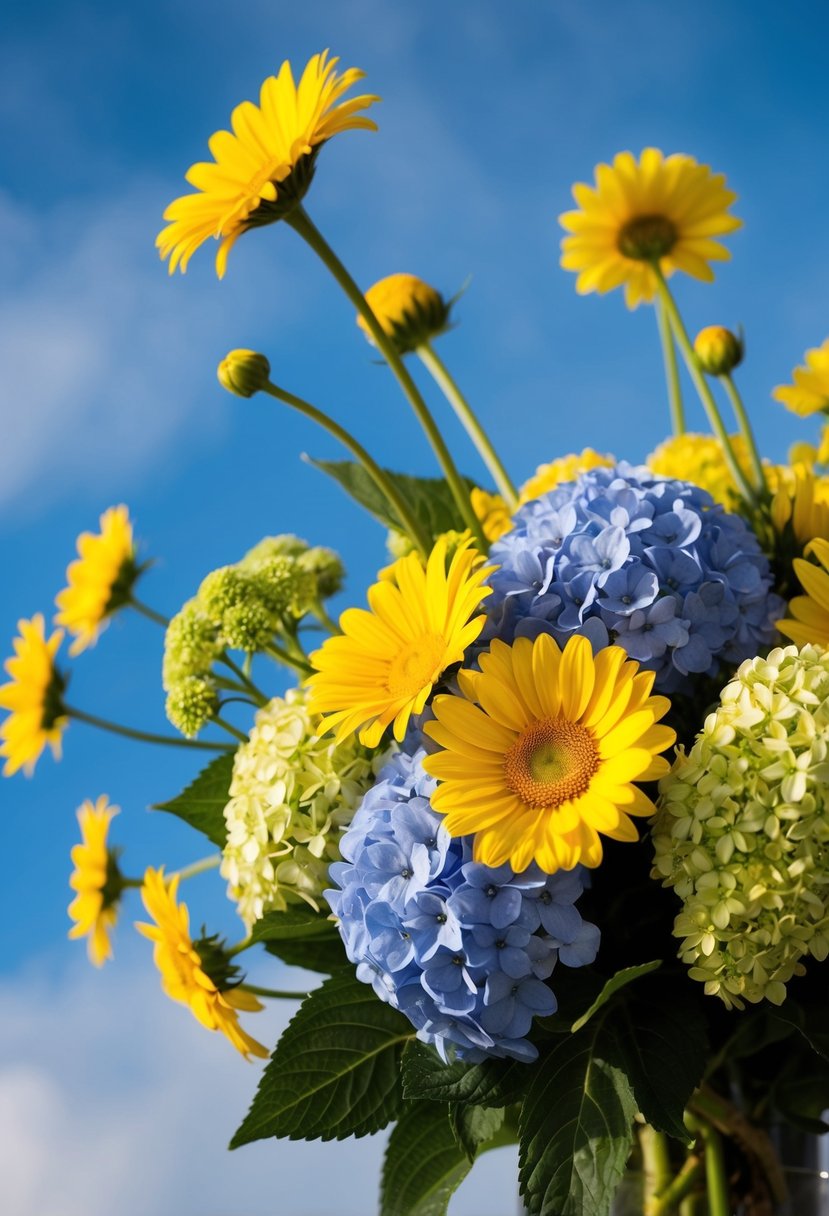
{"type": "Point", "coordinates": [143, 736]}
{"type": "Point", "coordinates": [740, 413]}
{"type": "Point", "coordinates": [671, 369]}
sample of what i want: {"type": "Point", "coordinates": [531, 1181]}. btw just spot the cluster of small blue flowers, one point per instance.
{"type": "Point", "coordinates": [652, 564]}
{"type": "Point", "coordinates": [463, 950]}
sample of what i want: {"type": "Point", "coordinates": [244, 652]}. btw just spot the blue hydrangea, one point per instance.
{"type": "Point", "coordinates": [651, 564]}
{"type": "Point", "coordinates": [463, 950]}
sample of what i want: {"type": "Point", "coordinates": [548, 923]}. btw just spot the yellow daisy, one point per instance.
{"type": "Point", "coordinates": [542, 749]}
{"type": "Point", "coordinates": [809, 619]}
{"type": "Point", "coordinates": [493, 512]}
{"type": "Point", "coordinates": [659, 209]}
{"type": "Point", "coordinates": [810, 391]}
{"type": "Point", "coordinates": [33, 698]}
{"type": "Point", "coordinates": [409, 310]}
{"type": "Point", "coordinates": [549, 476]}
{"type": "Point", "coordinates": [100, 580]}
{"type": "Point", "coordinates": [383, 666]}
{"type": "Point", "coordinates": [701, 460]}
{"type": "Point", "coordinates": [183, 974]}
{"type": "Point", "coordinates": [802, 501]}
{"type": "Point", "coordinates": [262, 169]}
{"type": "Point", "coordinates": [97, 880]}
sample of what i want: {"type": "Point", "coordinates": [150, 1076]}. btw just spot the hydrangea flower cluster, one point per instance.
{"type": "Point", "coordinates": [461, 949]}
{"type": "Point", "coordinates": [291, 794]}
{"type": "Point", "coordinates": [651, 564]}
{"type": "Point", "coordinates": [742, 834]}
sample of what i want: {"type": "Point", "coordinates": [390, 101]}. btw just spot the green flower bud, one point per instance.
{"type": "Point", "coordinates": [399, 544]}
{"type": "Point", "coordinates": [274, 580]}
{"type": "Point", "coordinates": [191, 703]}
{"type": "Point", "coordinates": [244, 372]}
{"type": "Point", "coordinates": [191, 645]}
{"type": "Point", "coordinates": [220, 590]}
{"type": "Point", "coordinates": [327, 569]}
{"type": "Point", "coordinates": [284, 545]}
{"type": "Point", "coordinates": [249, 625]}
{"type": "Point", "coordinates": [719, 350]}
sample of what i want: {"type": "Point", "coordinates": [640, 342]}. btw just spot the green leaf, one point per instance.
{"type": "Point", "coordinates": [576, 1128]}
{"type": "Point", "coordinates": [291, 924]}
{"type": "Point", "coordinates": [473, 1126]}
{"type": "Point", "coordinates": [430, 499]}
{"type": "Point", "coordinates": [619, 980]}
{"type": "Point", "coordinates": [312, 954]}
{"type": "Point", "coordinates": [203, 803]}
{"type": "Point", "coordinates": [811, 1023]}
{"type": "Point", "coordinates": [334, 1072]}
{"type": "Point", "coordinates": [490, 1083]}
{"type": "Point", "coordinates": [423, 1166]}
{"type": "Point", "coordinates": [802, 1097]}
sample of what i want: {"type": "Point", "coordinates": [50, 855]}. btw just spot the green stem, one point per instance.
{"type": "Point", "coordinates": [745, 426]}
{"type": "Point", "coordinates": [231, 730]}
{"type": "Point", "coordinates": [299, 665]}
{"type": "Point", "coordinates": [656, 1163]}
{"type": "Point", "coordinates": [716, 1180]}
{"type": "Point", "coordinates": [199, 867]}
{"type": "Point", "coordinates": [671, 369]}
{"type": "Point", "coordinates": [677, 1190]}
{"type": "Point", "coordinates": [144, 736]}
{"type": "Point", "coordinates": [273, 992]}
{"type": "Point", "coordinates": [246, 680]}
{"type": "Point", "coordinates": [244, 944]}
{"type": "Point", "coordinates": [148, 612]}
{"type": "Point", "coordinates": [439, 372]}
{"type": "Point", "coordinates": [325, 620]}
{"type": "Point", "coordinates": [380, 478]}
{"type": "Point", "coordinates": [701, 384]}
{"type": "Point", "coordinates": [302, 224]}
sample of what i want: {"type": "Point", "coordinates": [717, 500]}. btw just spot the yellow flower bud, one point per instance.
{"type": "Point", "coordinates": [409, 311]}
{"type": "Point", "coordinates": [244, 372]}
{"type": "Point", "coordinates": [718, 350]}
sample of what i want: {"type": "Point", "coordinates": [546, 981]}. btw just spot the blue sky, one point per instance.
{"type": "Point", "coordinates": [109, 394]}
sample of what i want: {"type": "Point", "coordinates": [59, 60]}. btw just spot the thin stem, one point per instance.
{"type": "Point", "coordinates": [745, 426]}
{"type": "Point", "coordinates": [378, 475]}
{"type": "Point", "coordinates": [671, 369]}
{"type": "Point", "coordinates": [199, 867]}
{"type": "Point", "coordinates": [701, 385]}
{"type": "Point", "coordinates": [302, 224]}
{"type": "Point", "coordinates": [679, 1188]}
{"type": "Point", "coordinates": [148, 612]}
{"type": "Point", "coordinates": [656, 1162]}
{"type": "Point", "coordinates": [144, 736]}
{"type": "Point", "coordinates": [439, 372]}
{"type": "Point", "coordinates": [276, 652]}
{"type": "Point", "coordinates": [325, 620]}
{"type": "Point", "coordinates": [273, 992]}
{"type": "Point", "coordinates": [716, 1180]}
{"type": "Point", "coordinates": [244, 944]}
{"type": "Point", "coordinates": [245, 678]}
{"type": "Point", "coordinates": [231, 730]}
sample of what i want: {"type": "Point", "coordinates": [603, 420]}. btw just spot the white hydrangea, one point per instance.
{"type": "Point", "coordinates": [742, 833]}
{"type": "Point", "coordinates": [291, 795]}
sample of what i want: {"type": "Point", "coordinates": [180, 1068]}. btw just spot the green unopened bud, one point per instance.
{"type": "Point", "coordinates": [249, 625]}
{"type": "Point", "coordinates": [284, 545]}
{"type": "Point", "coordinates": [191, 703]}
{"type": "Point", "coordinates": [191, 645]}
{"type": "Point", "coordinates": [719, 350]}
{"type": "Point", "coordinates": [220, 590]}
{"type": "Point", "coordinates": [399, 544]}
{"type": "Point", "coordinates": [274, 580]}
{"type": "Point", "coordinates": [244, 372]}
{"type": "Point", "coordinates": [326, 567]}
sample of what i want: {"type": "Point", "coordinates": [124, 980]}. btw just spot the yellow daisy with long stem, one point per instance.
{"type": "Point", "coordinates": [809, 394]}
{"type": "Point", "coordinates": [100, 580]}
{"type": "Point", "coordinates": [263, 168]}
{"type": "Point", "coordinates": [809, 619]}
{"type": "Point", "coordinates": [664, 210]}
{"type": "Point", "coordinates": [543, 749]}
{"type": "Point", "coordinates": [34, 698]}
{"type": "Point", "coordinates": [384, 665]}
{"type": "Point", "coordinates": [185, 978]}
{"type": "Point", "coordinates": [97, 881]}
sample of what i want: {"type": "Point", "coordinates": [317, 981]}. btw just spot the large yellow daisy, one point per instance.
{"type": "Point", "coordinates": [809, 619]}
{"type": "Point", "coordinates": [33, 698]}
{"type": "Point", "coordinates": [659, 209]}
{"type": "Point", "coordinates": [97, 880]}
{"type": "Point", "coordinates": [810, 391]}
{"type": "Point", "coordinates": [263, 168]}
{"type": "Point", "coordinates": [542, 750]}
{"type": "Point", "coordinates": [383, 666]}
{"type": "Point", "coordinates": [183, 975]}
{"type": "Point", "coordinates": [99, 580]}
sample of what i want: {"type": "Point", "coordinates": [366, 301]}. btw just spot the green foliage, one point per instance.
{"type": "Point", "coordinates": [619, 980]}
{"type": "Point", "coordinates": [423, 1166]}
{"type": "Point", "coordinates": [202, 804]}
{"type": "Point", "coordinates": [322, 954]}
{"type": "Point", "coordinates": [473, 1126]}
{"type": "Point", "coordinates": [801, 1094]}
{"type": "Point", "coordinates": [292, 924]}
{"type": "Point", "coordinates": [335, 1071]}
{"type": "Point", "coordinates": [490, 1083]}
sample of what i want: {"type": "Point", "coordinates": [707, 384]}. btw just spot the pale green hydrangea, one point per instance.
{"type": "Point", "coordinates": [742, 833]}
{"type": "Point", "coordinates": [191, 703]}
{"type": "Point", "coordinates": [291, 795]}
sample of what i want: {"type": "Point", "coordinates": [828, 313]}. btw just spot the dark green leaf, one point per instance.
{"type": "Point", "coordinates": [423, 1166]}
{"type": "Point", "coordinates": [811, 1023]}
{"type": "Point", "coordinates": [312, 954]}
{"type": "Point", "coordinates": [202, 804]}
{"type": "Point", "coordinates": [292, 924]}
{"type": "Point", "coordinates": [490, 1083]}
{"type": "Point", "coordinates": [758, 1029]}
{"type": "Point", "coordinates": [802, 1097]}
{"type": "Point", "coordinates": [574, 998]}
{"type": "Point", "coordinates": [619, 980]}
{"type": "Point", "coordinates": [335, 1071]}
{"type": "Point", "coordinates": [429, 498]}
{"type": "Point", "coordinates": [473, 1126]}
{"type": "Point", "coordinates": [576, 1128]}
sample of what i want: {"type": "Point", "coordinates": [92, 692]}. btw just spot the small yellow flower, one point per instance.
{"type": "Point", "coordinates": [408, 310]}
{"type": "Point", "coordinates": [261, 170]}
{"type": "Point", "coordinates": [493, 512]}
{"type": "Point", "coordinates": [548, 477]}
{"type": "Point", "coordinates": [33, 698]}
{"type": "Point", "coordinates": [809, 613]}
{"type": "Point", "coordinates": [184, 977]}
{"type": "Point", "coordinates": [97, 880]}
{"type": "Point", "coordinates": [383, 666]}
{"type": "Point", "coordinates": [700, 459]}
{"type": "Point", "coordinates": [659, 209]}
{"type": "Point", "coordinates": [718, 350]}
{"type": "Point", "coordinates": [542, 749]}
{"type": "Point", "coordinates": [802, 500]}
{"type": "Point", "coordinates": [810, 391]}
{"type": "Point", "coordinates": [100, 579]}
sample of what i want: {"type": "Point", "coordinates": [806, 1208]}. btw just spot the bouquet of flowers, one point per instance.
{"type": "Point", "coordinates": [550, 815]}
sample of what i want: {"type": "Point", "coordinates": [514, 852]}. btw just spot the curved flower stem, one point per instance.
{"type": "Point", "coordinates": [380, 478]}
{"type": "Point", "coordinates": [325, 620]}
{"type": "Point", "coordinates": [276, 652]}
{"type": "Point", "coordinates": [248, 684]}
{"type": "Point", "coordinates": [244, 944]}
{"type": "Point", "coordinates": [656, 1163]}
{"type": "Point", "coordinates": [144, 736]}
{"type": "Point", "coordinates": [148, 612]}
{"type": "Point", "coordinates": [302, 224]}
{"type": "Point", "coordinates": [716, 1179]}
{"type": "Point", "coordinates": [741, 415]}
{"type": "Point", "coordinates": [199, 867]}
{"type": "Point", "coordinates": [677, 1190]}
{"type": "Point", "coordinates": [671, 369]}
{"type": "Point", "coordinates": [273, 992]}
{"type": "Point", "coordinates": [231, 730]}
{"type": "Point", "coordinates": [439, 372]}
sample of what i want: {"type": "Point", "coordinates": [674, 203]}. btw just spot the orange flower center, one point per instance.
{"type": "Point", "coordinates": [647, 237]}
{"type": "Point", "coordinates": [551, 762]}
{"type": "Point", "coordinates": [419, 663]}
